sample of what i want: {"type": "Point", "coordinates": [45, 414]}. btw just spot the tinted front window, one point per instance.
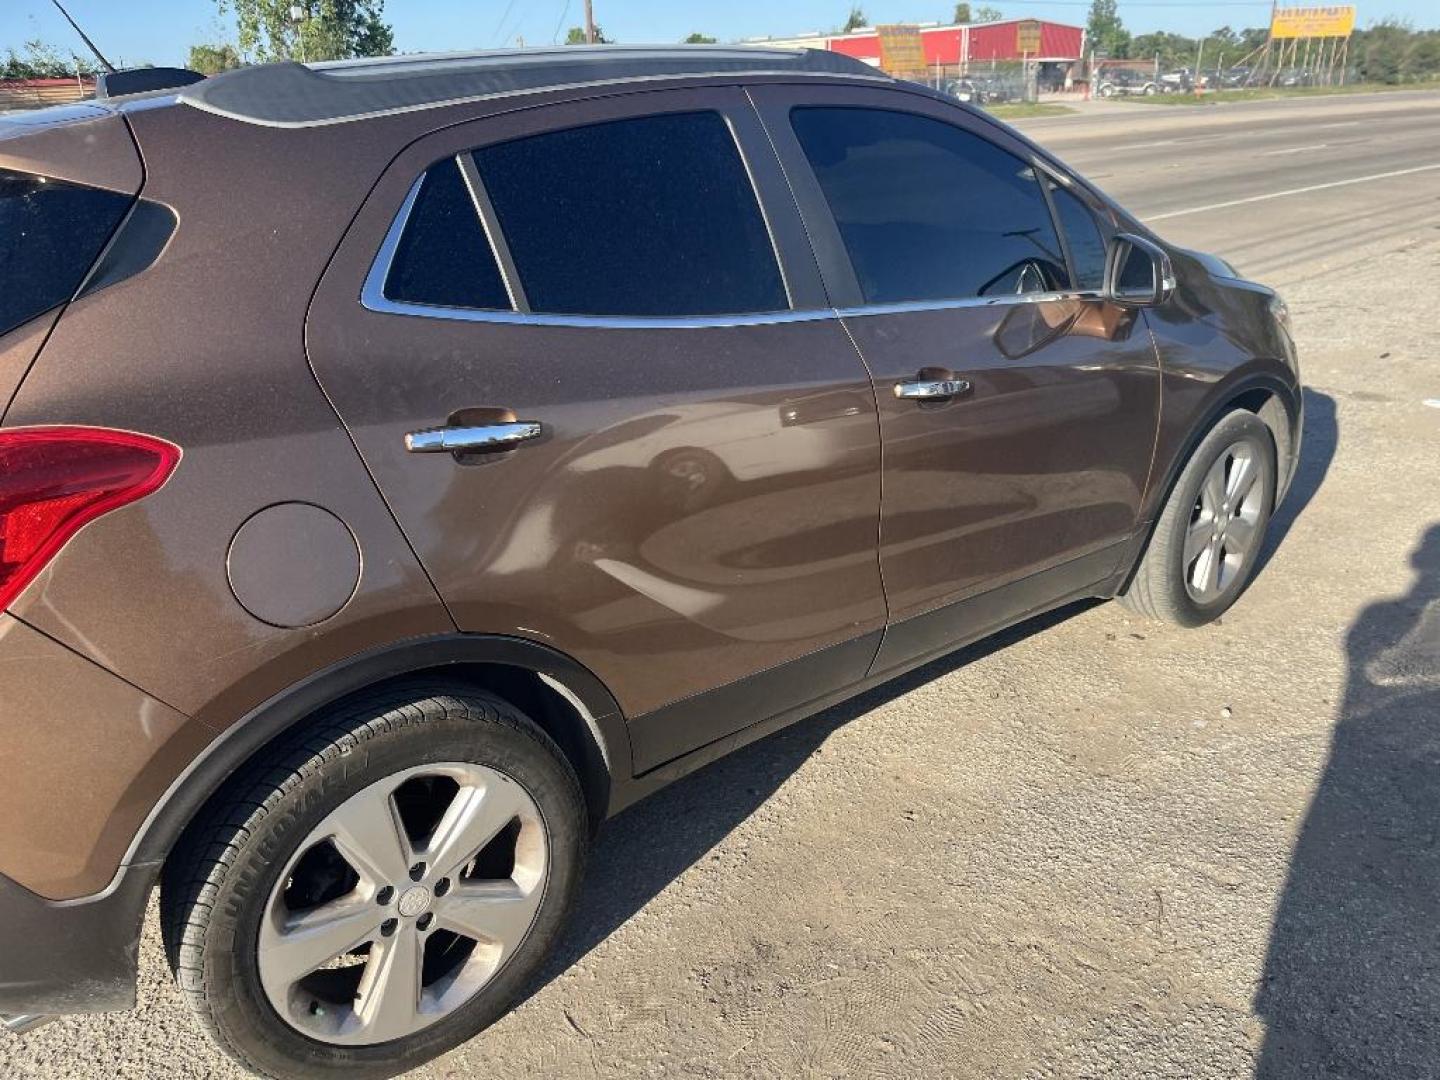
{"type": "Point", "coordinates": [653, 216]}
{"type": "Point", "coordinates": [928, 211]}
{"type": "Point", "coordinates": [1087, 245]}
{"type": "Point", "coordinates": [443, 257]}
{"type": "Point", "coordinates": [50, 234]}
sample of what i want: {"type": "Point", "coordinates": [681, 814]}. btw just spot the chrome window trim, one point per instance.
{"type": "Point", "coordinates": [901, 307]}
{"type": "Point", "coordinates": [373, 298]}
{"type": "Point", "coordinates": [499, 247]}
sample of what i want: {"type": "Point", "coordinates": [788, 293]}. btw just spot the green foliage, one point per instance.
{"type": "Point", "coordinates": [962, 13]}
{"type": "Point", "coordinates": [1394, 52]}
{"type": "Point", "coordinates": [985, 13]}
{"type": "Point", "coordinates": [576, 36]}
{"type": "Point", "coordinates": [855, 20]}
{"type": "Point", "coordinates": [331, 30]}
{"type": "Point", "coordinates": [1105, 31]}
{"type": "Point", "coordinates": [42, 61]}
{"type": "Point", "coordinates": [699, 39]}
{"type": "Point", "coordinates": [1174, 50]}
{"type": "Point", "coordinates": [213, 59]}
{"type": "Point", "coordinates": [1390, 51]}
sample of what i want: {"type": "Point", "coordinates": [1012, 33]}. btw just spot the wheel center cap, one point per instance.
{"type": "Point", "coordinates": [414, 902]}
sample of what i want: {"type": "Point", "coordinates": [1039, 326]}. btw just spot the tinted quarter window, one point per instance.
{"type": "Point", "coordinates": [444, 257]}
{"type": "Point", "coordinates": [1087, 245]}
{"type": "Point", "coordinates": [50, 234]}
{"type": "Point", "coordinates": [653, 216]}
{"type": "Point", "coordinates": [928, 211]}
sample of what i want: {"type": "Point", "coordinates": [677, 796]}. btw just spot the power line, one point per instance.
{"type": "Point", "coordinates": [500, 23]}
{"type": "Point", "coordinates": [555, 37]}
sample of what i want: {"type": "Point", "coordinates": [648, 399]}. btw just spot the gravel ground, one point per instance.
{"type": "Point", "coordinates": [1094, 847]}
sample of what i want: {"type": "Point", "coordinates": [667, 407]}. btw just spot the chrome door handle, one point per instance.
{"type": "Point", "coordinates": [931, 389]}
{"type": "Point", "coordinates": [447, 440]}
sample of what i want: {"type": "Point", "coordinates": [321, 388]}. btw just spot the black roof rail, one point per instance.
{"type": "Point", "coordinates": [302, 95]}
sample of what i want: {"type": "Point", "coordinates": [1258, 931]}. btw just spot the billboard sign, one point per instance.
{"type": "Point", "coordinates": [901, 50]}
{"type": "Point", "coordinates": [1312, 22]}
{"type": "Point", "coordinates": [1027, 37]}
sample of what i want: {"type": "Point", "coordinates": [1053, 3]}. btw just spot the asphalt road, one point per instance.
{"type": "Point", "coordinates": [1096, 846]}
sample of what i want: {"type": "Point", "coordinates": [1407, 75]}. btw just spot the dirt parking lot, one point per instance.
{"type": "Point", "coordinates": [1097, 846]}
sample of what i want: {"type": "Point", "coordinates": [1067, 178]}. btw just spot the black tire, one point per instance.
{"type": "Point", "coordinates": [218, 882]}
{"type": "Point", "coordinates": [1158, 587]}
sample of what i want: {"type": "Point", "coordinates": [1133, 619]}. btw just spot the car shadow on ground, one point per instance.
{"type": "Point", "coordinates": [1317, 450]}
{"type": "Point", "coordinates": [1351, 985]}
{"type": "Point", "coordinates": [643, 849]}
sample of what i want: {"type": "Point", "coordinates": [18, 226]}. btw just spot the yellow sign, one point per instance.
{"type": "Point", "coordinates": [1313, 22]}
{"type": "Point", "coordinates": [901, 50]}
{"type": "Point", "coordinates": [1027, 36]}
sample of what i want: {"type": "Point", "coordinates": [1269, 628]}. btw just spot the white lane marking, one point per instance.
{"type": "Point", "coordinates": [1295, 149]}
{"type": "Point", "coordinates": [1337, 123]}
{"type": "Point", "coordinates": [1433, 402]}
{"type": "Point", "coordinates": [1293, 191]}
{"type": "Point", "coordinates": [1145, 145]}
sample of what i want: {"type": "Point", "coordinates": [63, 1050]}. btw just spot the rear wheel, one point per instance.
{"type": "Point", "coordinates": [1206, 544]}
{"type": "Point", "coordinates": [378, 892]}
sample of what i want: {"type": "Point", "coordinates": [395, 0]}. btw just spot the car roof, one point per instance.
{"type": "Point", "coordinates": [303, 95]}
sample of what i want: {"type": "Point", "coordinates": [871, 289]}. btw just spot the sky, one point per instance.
{"type": "Point", "coordinates": [161, 31]}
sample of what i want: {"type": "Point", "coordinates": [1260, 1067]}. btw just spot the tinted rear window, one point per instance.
{"type": "Point", "coordinates": [50, 235]}
{"type": "Point", "coordinates": [928, 211]}
{"type": "Point", "coordinates": [654, 216]}
{"type": "Point", "coordinates": [444, 257]}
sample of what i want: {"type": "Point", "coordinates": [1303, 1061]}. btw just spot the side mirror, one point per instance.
{"type": "Point", "coordinates": [1137, 272]}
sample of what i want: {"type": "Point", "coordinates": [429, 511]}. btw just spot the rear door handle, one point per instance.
{"type": "Point", "coordinates": [931, 389]}
{"type": "Point", "coordinates": [449, 439]}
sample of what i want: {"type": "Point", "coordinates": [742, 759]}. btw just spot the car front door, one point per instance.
{"type": "Point", "coordinates": [599, 384]}
{"type": "Point", "coordinates": [1018, 410]}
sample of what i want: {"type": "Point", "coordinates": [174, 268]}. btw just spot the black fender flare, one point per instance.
{"type": "Point", "coordinates": [609, 737]}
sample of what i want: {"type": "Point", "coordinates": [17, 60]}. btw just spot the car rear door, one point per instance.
{"type": "Point", "coordinates": [685, 493]}
{"type": "Point", "coordinates": [1018, 409]}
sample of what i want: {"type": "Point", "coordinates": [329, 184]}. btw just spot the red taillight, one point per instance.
{"type": "Point", "coordinates": [55, 480]}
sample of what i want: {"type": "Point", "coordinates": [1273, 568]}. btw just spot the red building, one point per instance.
{"type": "Point", "coordinates": [972, 43]}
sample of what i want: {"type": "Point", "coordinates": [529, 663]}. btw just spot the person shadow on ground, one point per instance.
{"type": "Point", "coordinates": [1351, 985]}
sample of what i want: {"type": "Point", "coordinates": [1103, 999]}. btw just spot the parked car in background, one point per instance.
{"type": "Point", "coordinates": [416, 461]}
{"type": "Point", "coordinates": [1183, 81]}
{"type": "Point", "coordinates": [985, 90]}
{"type": "Point", "coordinates": [1118, 82]}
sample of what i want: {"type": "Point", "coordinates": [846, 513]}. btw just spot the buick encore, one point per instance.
{"type": "Point", "coordinates": [407, 464]}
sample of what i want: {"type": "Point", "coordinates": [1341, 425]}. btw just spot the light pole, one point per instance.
{"type": "Point", "coordinates": [298, 14]}
{"type": "Point", "coordinates": [589, 23]}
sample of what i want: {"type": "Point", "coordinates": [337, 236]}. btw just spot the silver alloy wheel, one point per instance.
{"type": "Point", "coordinates": [1225, 524]}
{"type": "Point", "coordinates": [370, 935]}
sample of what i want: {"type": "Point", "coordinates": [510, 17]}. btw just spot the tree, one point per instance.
{"type": "Point", "coordinates": [962, 13]}
{"type": "Point", "coordinates": [1106, 32]}
{"type": "Point", "coordinates": [213, 59]}
{"type": "Point", "coordinates": [42, 61]}
{"type": "Point", "coordinates": [699, 39]}
{"type": "Point", "coordinates": [855, 20]}
{"type": "Point", "coordinates": [576, 36]}
{"type": "Point", "coordinates": [330, 30]}
{"type": "Point", "coordinates": [985, 13]}
{"type": "Point", "coordinates": [1174, 50]}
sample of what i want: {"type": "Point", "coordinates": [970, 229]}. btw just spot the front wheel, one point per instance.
{"type": "Point", "coordinates": [1207, 541]}
{"type": "Point", "coordinates": [378, 891]}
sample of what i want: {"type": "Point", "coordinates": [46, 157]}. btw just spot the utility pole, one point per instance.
{"type": "Point", "coordinates": [589, 23]}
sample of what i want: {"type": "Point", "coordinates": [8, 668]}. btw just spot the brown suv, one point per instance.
{"type": "Point", "coordinates": [407, 464]}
